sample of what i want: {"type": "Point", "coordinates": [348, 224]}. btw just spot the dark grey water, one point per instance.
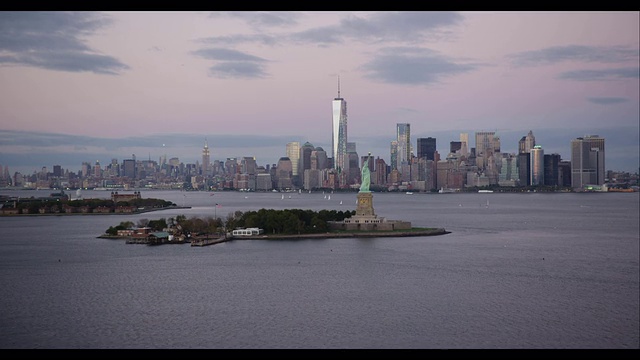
{"type": "Point", "coordinates": [557, 271]}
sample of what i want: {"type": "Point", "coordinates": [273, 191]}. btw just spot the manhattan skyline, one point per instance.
{"type": "Point", "coordinates": [100, 85]}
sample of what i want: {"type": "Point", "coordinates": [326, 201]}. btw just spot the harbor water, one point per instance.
{"type": "Point", "coordinates": [517, 271]}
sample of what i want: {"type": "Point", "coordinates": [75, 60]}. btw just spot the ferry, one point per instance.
{"type": "Point", "coordinates": [247, 232]}
{"type": "Point", "coordinates": [485, 191]}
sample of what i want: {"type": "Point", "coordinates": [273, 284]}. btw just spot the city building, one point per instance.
{"type": "Point", "coordinates": [426, 148]}
{"type": "Point", "coordinates": [551, 169]}
{"type": "Point", "coordinates": [284, 169]}
{"type": "Point", "coordinates": [129, 168]}
{"type": "Point", "coordinates": [464, 144]}
{"type": "Point", "coordinates": [339, 135]}
{"type": "Point", "coordinates": [403, 137]}
{"type": "Point", "coordinates": [537, 165]}
{"type": "Point", "coordinates": [486, 146]}
{"type": "Point", "coordinates": [393, 155]}
{"type": "Point", "coordinates": [526, 143]}
{"type": "Point", "coordinates": [206, 159]}
{"type": "Point", "coordinates": [293, 153]}
{"type": "Point", "coordinates": [587, 161]}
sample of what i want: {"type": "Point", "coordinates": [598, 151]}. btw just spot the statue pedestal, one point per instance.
{"type": "Point", "coordinates": [365, 205]}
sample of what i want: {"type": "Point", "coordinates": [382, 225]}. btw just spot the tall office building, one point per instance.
{"type": "Point", "coordinates": [455, 147]}
{"type": "Point", "coordinates": [380, 169]}
{"type": "Point", "coordinates": [129, 168]}
{"type": "Point", "coordinates": [353, 166]}
{"type": "Point", "coordinates": [486, 145]}
{"type": "Point", "coordinates": [426, 148]}
{"type": "Point", "coordinates": [524, 169]}
{"type": "Point", "coordinates": [206, 159]}
{"type": "Point", "coordinates": [393, 155]}
{"type": "Point", "coordinates": [321, 159]}
{"type": "Point", "coordinates": [551, 169]}
{"type": "Point", "coordinates": [293, 152]}
{"type": "Point", "coordinates": [339, 136]}
{"type": "Point", "coordinates": [57, 170]}
{"type": "Point", "coordinates": [587, 161]}
{"type": "Point", "coordinates": [537, 165]}
{"type": "Point", "coordinates": [403, 132]}
{"type": "Point", "coordinates": [304, 160]}
{"type": "Point", "coordinates": [464, 146]}
{"type": "Point", "coordinates": [283, 173]}
{"type": "Point", "coordinates": [526, 143]}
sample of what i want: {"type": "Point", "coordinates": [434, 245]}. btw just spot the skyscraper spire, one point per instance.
{"type": "Point", "coordinates": [338, 86]}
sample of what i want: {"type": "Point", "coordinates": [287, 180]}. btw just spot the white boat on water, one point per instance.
{"type": "Point", "coordinates": [485, 191]}
{"type": "Point", "coordinates": [446, 191]}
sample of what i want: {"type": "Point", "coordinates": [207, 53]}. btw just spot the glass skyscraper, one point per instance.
{"type": "Point", "coordinates": [293, 152]}
{"type": "Point", "coordinates": [339, 136]}
{"type": "Point", "coordinates": [404, 143]}
{"type": "Point", "coordinates": [426, 148]}
{"type": "Point", "coordinates": [537, 165]}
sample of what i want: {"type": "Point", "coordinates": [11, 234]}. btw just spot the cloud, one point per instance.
{"type": "Point", "coordinates": [607, 100]}
{"type": "Point", "coordinates": [413, 66]}
{"type": "Point", "coordinates": [53, 41]}
{"type": "Point", "coordinates": [601, 75]}
{"type": "Point", "coordinates": [262, 18]}
{"type": "Point", "coordinates": [375, 27]}
{"type": "Point", "coordinates": [402, 26]}
{"type": "Point", "coordinates": [226, 55]}
{"type": "Point", "coordinates": [233, 63]}
{"type": "Point", "coordinates": [578, 53]}
{"type": "Point", "coordinates": [264, 39]}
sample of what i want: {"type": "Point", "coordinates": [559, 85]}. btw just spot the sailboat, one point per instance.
{"type": "Point", "coordinates": [340, 202]}
{"type": "Point", "coordinates": [329, 198]}
{"type": "Point", "coordinates": [282, 196]}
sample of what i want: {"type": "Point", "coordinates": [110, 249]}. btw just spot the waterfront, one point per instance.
{"type": "Point", "coordinates": [517, 271]}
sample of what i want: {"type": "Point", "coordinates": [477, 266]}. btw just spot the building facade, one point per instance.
{"type": "Point", "coordinates": [339, 135]}
{"type": "Point", "coordinates": [587, 161]}
{"type": "Point", "coordinates": [537, 165]}
{"type": "Point", "coordinates": [426, 148]}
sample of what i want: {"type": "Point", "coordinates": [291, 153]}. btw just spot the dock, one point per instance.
{"type": "Point", "coordinates": [206, 242]}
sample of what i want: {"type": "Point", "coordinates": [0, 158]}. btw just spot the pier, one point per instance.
{"type": "Point", "coordinates": [206, 242]}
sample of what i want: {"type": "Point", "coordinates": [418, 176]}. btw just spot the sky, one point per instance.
{"type": "Point", "coordinates": [93, 86]}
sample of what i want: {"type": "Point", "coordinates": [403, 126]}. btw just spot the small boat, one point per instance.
{"type": "Point", "coordinates": [409, 193]}
{"type": "Point", "coordinates": [485, 191]}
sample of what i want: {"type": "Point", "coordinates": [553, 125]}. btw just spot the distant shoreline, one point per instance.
{"type": "Point", "coordinates": [416, 232]}
{"type": "Point", "coordinates": [354, 234]}
{"type": "Point", "coordinates": [98, 213]}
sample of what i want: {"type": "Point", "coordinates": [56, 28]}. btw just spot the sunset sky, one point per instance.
{"type": "Point", "coordinates": [92, 86]}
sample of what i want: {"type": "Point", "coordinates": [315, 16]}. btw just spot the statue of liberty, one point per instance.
{"type": "Point", "coordinates": [366, 177]}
